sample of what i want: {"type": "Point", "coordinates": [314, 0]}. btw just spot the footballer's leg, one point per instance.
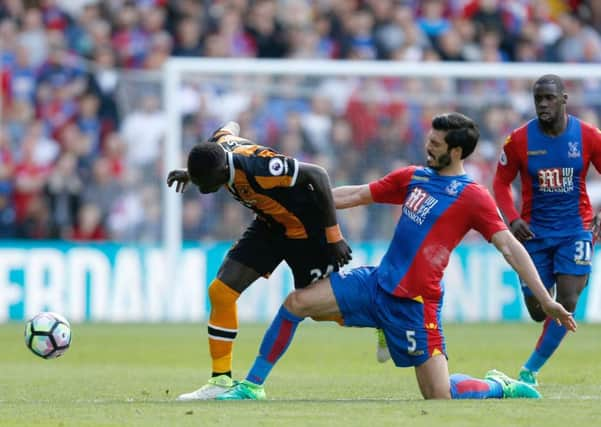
{"type": "Point", "coordinates": [495, 385]}
{"type": "Point", "coordinates": [535, 310]}
{"type": "Point", "coordinates": [569, 289]}
{"type": "Point", "coordinates": [415, 338]}
{"type": "Point", "coordinates": [542, 255]}
{"type": "Point", "coordinates": [232, 279]}
{"type": "Point", "coordinates": [433, 378]}
{"type": "Point", "coordinates": [571, 263]}
{"type": "Point", "coordinates": [435, 383]}
{"type": "Point", "coordinates": [314, 300]}
{"type": "Point", "coordinates": [337, 295]}
{"type": "Point", "coordinates": [253, 256]}
{"type": "Point", "coordinates": [222, 327]}
{"type": "Point", "coordinates": [308, 261]}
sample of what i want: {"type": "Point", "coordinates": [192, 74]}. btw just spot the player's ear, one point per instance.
{"type": "Point", "coordinates": [458, 150]}
{"type": "Point", "coordinates": [565, 98]}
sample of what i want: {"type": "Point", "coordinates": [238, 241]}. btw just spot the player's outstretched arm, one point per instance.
{"type": "Point", "coordinates": [316, 178]}
{"type": "Point", "coordinates": [518, 258]}
{"type": "Point", "coordinates": [349, 196]}
{"type": "Point", "coordinates": [230, 127]}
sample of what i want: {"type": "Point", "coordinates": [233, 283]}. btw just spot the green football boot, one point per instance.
{"type": "Point", "coordinates": [244, 390]}
{"type": "Point", "coordinates": [529, 377]}
{"type": "Point", "coordinates": [513, 389]}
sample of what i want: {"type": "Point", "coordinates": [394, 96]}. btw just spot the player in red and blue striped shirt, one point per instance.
{"type": "Point", "coordinates": [403, 295]}
{"type": "Point", "coordinates": [552, 153]}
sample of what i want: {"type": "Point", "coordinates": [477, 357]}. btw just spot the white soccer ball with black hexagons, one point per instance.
{"type": "Point", "coordinates": [48, 335]}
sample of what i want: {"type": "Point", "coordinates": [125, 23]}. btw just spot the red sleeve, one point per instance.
{"type": "Point", "coordinates": [393, 187]}
{"type": "Point", "coordinates": [507, 170]}
{"type": "Point", "coordinates": [486, 218]}
{"type": "Point", "coordinates": [592, 137]}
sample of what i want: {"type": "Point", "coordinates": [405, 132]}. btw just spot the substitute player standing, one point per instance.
{"type": "Point", "coordinates": [295, 222]}
{"type": "Point", "coordinates": [552, 153]}
{"type": "Point", "coordinates": [403, 295]}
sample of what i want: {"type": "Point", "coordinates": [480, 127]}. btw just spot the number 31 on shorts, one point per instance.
{"type": "Point", "coordinates": [583, 253]}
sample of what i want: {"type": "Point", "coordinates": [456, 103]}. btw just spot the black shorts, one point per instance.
{"type": "Point", "coordinates": [263, 250]}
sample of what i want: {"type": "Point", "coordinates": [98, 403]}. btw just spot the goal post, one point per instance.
{"type": "Point", "coordinates": [176, 68]}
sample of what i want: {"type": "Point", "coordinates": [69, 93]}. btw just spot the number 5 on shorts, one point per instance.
{"type": "Point", "coordinates": [412, 344]}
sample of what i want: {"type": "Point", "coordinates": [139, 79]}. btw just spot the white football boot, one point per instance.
{"type": "Point", "coordinates": [213, 388]}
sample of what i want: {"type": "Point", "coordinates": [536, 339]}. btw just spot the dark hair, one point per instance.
{"type": "Point", "coordinates": [461, 131]}
{"type": "Point", "coordinates": [550, 79]}
{"type": "Point", "coordinates": [204, 158]}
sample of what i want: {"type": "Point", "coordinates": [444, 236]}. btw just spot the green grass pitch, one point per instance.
{"type": "Point", "coordinates": [129, 375]}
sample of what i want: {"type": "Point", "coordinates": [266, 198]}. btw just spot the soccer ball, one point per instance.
{"type": "Point", "coordinates": [48, 335]}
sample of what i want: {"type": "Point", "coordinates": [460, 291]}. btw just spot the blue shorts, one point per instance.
{"type": "Point", "coordinates": [560, 255]}
{"type": "Point", "coordinates": [413, 330]}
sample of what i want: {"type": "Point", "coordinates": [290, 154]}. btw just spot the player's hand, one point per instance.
{"type": "Point", "coordinates": [521, 230]}
{"type": "Point", "coordinates": [596, 228]}
{"type": "Point", "coordinates": [340, 252]}
{"type": "Point", "coordinates": [560, 314]}
{"type": "Point", "coordinates": [181, 179]}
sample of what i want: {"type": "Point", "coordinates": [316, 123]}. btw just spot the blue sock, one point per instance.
{"type": "Point", "coordinates": [548, 342]}
{"type": "Point", "coordinates": [276, 340]}
{"type": "Point", "coordinates": [466, 387]}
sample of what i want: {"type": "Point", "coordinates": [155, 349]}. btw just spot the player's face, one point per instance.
{"type": "Point", "coordinates": [549, 102]}
{"type": "Point", "coordinates": [209, 183]}
{"type": "Point", "coordinates": [437, 150]}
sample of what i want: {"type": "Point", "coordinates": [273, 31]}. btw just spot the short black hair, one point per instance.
{"type": "Point", "coordinates": [550, 79]}
{"type": "Point", "coordinates": [461, 131]}
{"type": "Point", "coordinates": [204, 158]}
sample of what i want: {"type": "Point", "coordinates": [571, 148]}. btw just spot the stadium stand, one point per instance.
{"type": "Point", "coordinates": [81, 122]}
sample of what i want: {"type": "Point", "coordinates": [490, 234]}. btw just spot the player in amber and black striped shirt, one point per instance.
{"type": "Point", "coordinates": [295, 222]}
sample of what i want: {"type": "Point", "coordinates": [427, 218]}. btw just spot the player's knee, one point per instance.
{"type": "Point", "coordinates": [434, 392]}
{"type": "Point", "coordinates": [568, 302]}
{"type": "Point", "coordinates": [220, 294]}
{"type": "Point", "coordinates": [535, 310]}
{"type": "Point", "coordinates": [297, 304]}
{"type": "Point", "coordinates": [537, 314]}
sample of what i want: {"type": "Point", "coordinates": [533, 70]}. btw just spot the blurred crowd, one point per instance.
{"type": "Point", "coordinates": [82, 121]}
